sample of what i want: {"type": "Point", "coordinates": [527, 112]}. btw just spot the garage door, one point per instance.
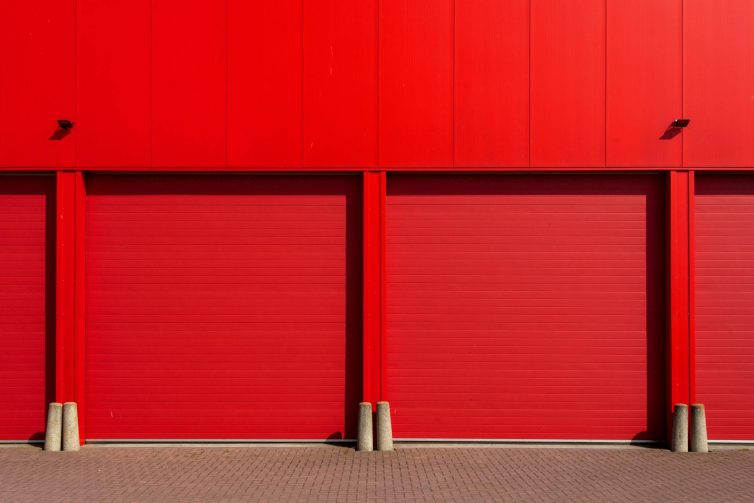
{"type": "Point", "coordinates": [724, 261]}
{"type": "Point", "coordinates": [222, 307]}
{"type": "Point", "coordinates": [525, 307]}
{"type": "Point", "coordinates": [27, 234]}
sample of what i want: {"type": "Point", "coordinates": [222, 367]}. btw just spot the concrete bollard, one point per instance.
{"type": "Point", "coordinates": [384, 427]}
{"type": "Point", "coordinates": [365, 442]}
{"type": "Point", "coordinates": [54, 427]}
{"type": "Point", "coordinates": [70, 427]}
{"type": "Point", "coordinates": [698, 438]}
{"type": "Point", "coordinates": [680, 440]}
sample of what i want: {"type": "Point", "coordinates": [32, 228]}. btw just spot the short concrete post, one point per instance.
{"type": "Point", "coordinates": [365, 442]}
{"type": "Point", "coordinates": [54, 427]}
{"type": "Point", "coordinates": [384, 427]}
{"type": "Point", "coordinates": [698, 440]}
{"type": "Point", "coordinates": [680, 440]}
{"type": "Point", "coordinates": [70, 427]}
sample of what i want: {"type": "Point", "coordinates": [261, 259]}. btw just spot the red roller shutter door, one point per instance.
{"type": "Point", "coordinates": [525, 307]}
{"type": "Point", "coordinates": [724, 263]}
{"type": "Point", "coordinates": [27, 235]}
{"type": "Point", "coordinates": [222, 307]}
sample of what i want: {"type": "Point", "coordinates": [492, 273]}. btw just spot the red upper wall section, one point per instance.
{"type": "Point", "coordinates": [300, 84]}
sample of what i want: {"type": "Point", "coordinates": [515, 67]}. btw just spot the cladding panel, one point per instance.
{"type": "Point", "coordinates": [37, 83]}
{"type": "Point", "coordinates": [416, 83]}
{"type": "Point", "coordinates": [644, 83]}
{"type": "Point", "coordinates": [568, 84]}
{"type": "Point", "coordinates": [491, 85]}
{"type": "Point", "coordinates": [718, 83]}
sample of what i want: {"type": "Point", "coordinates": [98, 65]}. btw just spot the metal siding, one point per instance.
{"type": "Point", "coordinates": [113, 75]}
{"type": "Point", "coordinates": [724, 265]}
{"type": "Point", "coordinates": [189, 70]}
{"type": "Point", "coordinates": [525, 307]}
{"type": "Point", "coordinates": [644, 82]}
{"type": "Point", "coordinates": [265, 83]}
{"type": "Point", "coordinates": [26, 323]}
{"type": "Point", "coordinates": [416, 83]}
{"type": "Point", "coordinates": [491, 86]}
{"type": "Point", "coordinates": [37, 84]}
{"type": "Point", "coordinates": [223, 307]}
{"type": "Point", "coordinates": [718, 83]}
{"type": "Point", "coordinates": [568, 83]}
{"type": "Point", "coordinates": [340, 83]}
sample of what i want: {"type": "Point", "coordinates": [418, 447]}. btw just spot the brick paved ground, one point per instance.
{"type": "Point", "coordinates": [474, 474]}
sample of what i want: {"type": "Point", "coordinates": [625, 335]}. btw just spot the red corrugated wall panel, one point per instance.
{"type": "Point", "coordinates": [189, 67]}
{"type": "Point", "coordinates": [36, 82]}
{"type": "Point", "coordinates": [644, 71]}
{"type": "Point", "coordinates": [568, 83]}
{"type": "Point", "coordinates": [416, 83]}
{"type": "Point", "coordinates": [264, 83]}
{"type": "Point", "coordinates": [491, 83]}
{"type": "Point", "coordinates": [525, 307]}
{"type": "Point", "coordinates": [724, 265]}
{"type": "Point", "coordinates": [223, 307]}
{"type": "Point", "coordinates": [27, 319]}
{"type": "Point", "coordinates": [340, 83]}
{"type": "Point", "coordinates": [718, 83]}
{"type": "Point", "coordinates": [114, 83]}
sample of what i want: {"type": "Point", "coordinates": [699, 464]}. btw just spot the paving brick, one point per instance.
{"type": "Point", "coordinates": [334, 474]}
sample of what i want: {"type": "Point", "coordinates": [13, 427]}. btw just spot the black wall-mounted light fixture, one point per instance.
{"type": "Point", "coordinates": [681, 123]}
{"type": "Point", "coordinates": [65, 124]}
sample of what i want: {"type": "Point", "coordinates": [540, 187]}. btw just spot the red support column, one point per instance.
{"type": "Point", "coordinates": [69, 290]}
{"type": "Point", "coordinates": [374, 210]}
{"type": "Point", "coordinates": [680, 301]}
{"type": "Point", "coordinates": [79, 299]}
{"type": "Point", "coordinates": [65, 232]}
{"type": "Point", "coordinates": [692, 290]}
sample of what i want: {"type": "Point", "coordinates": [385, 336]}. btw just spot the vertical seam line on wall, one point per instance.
{"type": "Point", "coordinates": [377, 84]}
{"type": "Point", "coordinates": [151, 83]}
{"type": "Point", "coordinates": [691, 286]}
{"type": "Point", "coordinates": [75, 78]}
{"type": "Point", "coordinates": [453, 84]}
{"type": "Point", "coordinates": [683, 77]}
{"type": "Point", "coordinates": [301, 142]}
{"type": "Point", "coordinates": [604, 97]}
{"type": "Point", "coordinates": [227, 78]}
{"type": "Point", "coordinates": [531, 29]}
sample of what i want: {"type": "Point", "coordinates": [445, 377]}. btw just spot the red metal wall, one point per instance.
{"type": "Point", "coordinates": [398, 83]}
{"type": "Point", "coordinates": [718, 58]}
{"type": "Point", "coordinates": [375, 86]}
